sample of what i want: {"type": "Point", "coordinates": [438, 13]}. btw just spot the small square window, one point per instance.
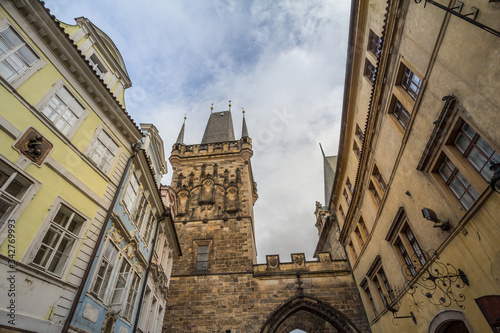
{"type": "Point", "coordinates": [341, 210]}
{"type": "Point", "coordinates": [368, 294]}
{"type": "Point", "coordinates": [353, 251]}
{"type": "Point", "coordinates": [359, 133]}
{"type": "Point", "coordinates": [374, 43]}
{"type": "Point", "coordinates": [476, 150]}
{"type": "Point", "coordinates": [370, 71]}
{"type": "Point", "coordinates": [356, 150]}
{"type": "Point", "coordinates": [379, 178]}
{"type": "Point", "coordinates": [401, 114]}
{"type": "Point", "coordinates": [349, 186]}
{"type": "Point", "coordinates": [97, 65]}
{"type": "Point", "coordinates": [410, 82]}
{"type": "Point", "coordinates": [459, 185]}
{"type": "Point", "coordinates": [374, 191]}
{"type": "Point", "coordinates": [347, 198]}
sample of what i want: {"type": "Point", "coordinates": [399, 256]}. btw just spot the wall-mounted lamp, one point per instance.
{"type": "Point", "coordinates": [430, 215]}
{"type": "Point", "coordinates": [495, 179]}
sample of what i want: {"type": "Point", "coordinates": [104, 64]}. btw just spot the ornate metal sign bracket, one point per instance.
{"type": "Point", "coordinates": [457, 12]}
{"type": "Point", "coordinates": [440, 283]}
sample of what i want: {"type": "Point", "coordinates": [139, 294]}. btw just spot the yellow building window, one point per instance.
{"type": "Point", "coordinates": [15, 56]}
{"type": "Point", "coordinates": [59, 240]}
{"type": "Point", "coordinates": [63, 110]}
{"type": "Point", "coordinates": [13, 189]}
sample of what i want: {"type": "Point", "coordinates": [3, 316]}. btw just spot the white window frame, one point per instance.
{"type": "Point", "coordinates": [21, 202]}
{"type": "Point", "coordinates": [110, 283]}
{"type": "Point", "coordinates": [98, 65]}
{"type": "Point", "coordinates": [44, 103]}
{"type": "Point", "coordinates": [159, 317]}
{"type": "Point", "coordinates": [141, 212]}
{"type": "Point", "coordinates": [46, 225]}
{"type": "Point", "coordinates": [128, 201]}
{"type": "Point", "coordinates": [16, 80]}
{"type": "Point", "coordinates": [153, 313]}
{"type": "Point", "coordinates": [148, 227]}
{"type": "Point", "coordinates": [90, 148]}
{"type": "Point", "coordinates": [129, 304]}
{"type": "Point", "coordinates": [165, 253]}
{"type": "Point", "coordinates": [146, 302]}
{"type": "Point", "coordinates": [118, 275]}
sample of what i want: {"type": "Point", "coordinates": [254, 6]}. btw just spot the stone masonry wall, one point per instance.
{"type": "Point", "coordinates": [243, 302]}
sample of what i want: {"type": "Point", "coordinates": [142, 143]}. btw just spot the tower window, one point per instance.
{"type": "Point", "coordinates": [202, 258]}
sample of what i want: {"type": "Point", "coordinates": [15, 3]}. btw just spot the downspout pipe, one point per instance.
{"type": "Point", "coordinates": [135, 150]}
{"type": "Point", "coordinates": [166, 213]}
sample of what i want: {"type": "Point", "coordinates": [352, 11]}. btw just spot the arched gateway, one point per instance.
{"type": "Point", "coordinates": [308, 314]}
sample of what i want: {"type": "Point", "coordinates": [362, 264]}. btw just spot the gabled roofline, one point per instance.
{"type": "Point", "coordinates": [102, 39]}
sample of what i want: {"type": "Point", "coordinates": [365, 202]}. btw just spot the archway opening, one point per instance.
{"type": "Point", "coordinates": [308, 315]}
{"type": "Point", "coordinates": [304, 321]}
{"type": "Point", "coordinates": [456, 326]}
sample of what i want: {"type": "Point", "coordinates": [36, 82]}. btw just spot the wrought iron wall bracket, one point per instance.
{"type": "Point", "coordinates": [395, 316]}
{"type": "Point", "coordinates": [440, 283]}
{"type": "Point", "coordinates": [473, 14]}
{"type": "Point", "coordinates": [412, 316]}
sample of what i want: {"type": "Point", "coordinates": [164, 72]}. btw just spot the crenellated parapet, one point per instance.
{"type": "Point", "coordinates": [299, 265]}
{"type": "Point", "coordinates": [242, 146]}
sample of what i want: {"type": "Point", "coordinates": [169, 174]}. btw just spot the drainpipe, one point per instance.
{"type": "Point", "coordinates": [135, 149]}
{"type": "Point", "coordinates": [144, 283]}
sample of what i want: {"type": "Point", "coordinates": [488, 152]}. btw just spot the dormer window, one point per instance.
{"type": "Point", "coordinates": [97, 65]}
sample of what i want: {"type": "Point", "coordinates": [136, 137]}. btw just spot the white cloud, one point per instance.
{"type": "Point", "coordinates": [281, 60]}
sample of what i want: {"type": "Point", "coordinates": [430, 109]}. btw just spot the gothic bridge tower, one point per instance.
{"type": "Point", "coordinates": [215, 197]}
{"type": "Point", "coordinates": [217, 285]}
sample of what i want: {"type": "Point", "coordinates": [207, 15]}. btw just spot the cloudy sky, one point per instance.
{"type": "Point", "coordinates": [283, 61]}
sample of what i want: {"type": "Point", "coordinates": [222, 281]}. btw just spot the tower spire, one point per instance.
{"type": "Point", "coordinates": [329, 165]}
{"type": "Point", "coordinates": [244, 130]}
{"type": "Point", "coordinates": [180, 138]}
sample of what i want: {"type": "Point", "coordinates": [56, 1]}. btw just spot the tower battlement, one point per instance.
{"type": "Point", "coordinates": [299, 265]}
{"type": "Point", "coordinates": [205, 149]}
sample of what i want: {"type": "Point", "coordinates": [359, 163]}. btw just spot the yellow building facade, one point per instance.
{"type": "Point", "coordinates": [418, 150]}
{"type": "Point", "coordinates": [65, 141]}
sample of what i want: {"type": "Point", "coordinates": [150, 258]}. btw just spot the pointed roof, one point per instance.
{"type": "Point", "coordinates": [329, 165]}
{"type": "Point", "coordinates": [180, 138]}
{"type": "Point", "coordinates": [219, 128]}
{"type": "Point", "coordinates": [244, 130]}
